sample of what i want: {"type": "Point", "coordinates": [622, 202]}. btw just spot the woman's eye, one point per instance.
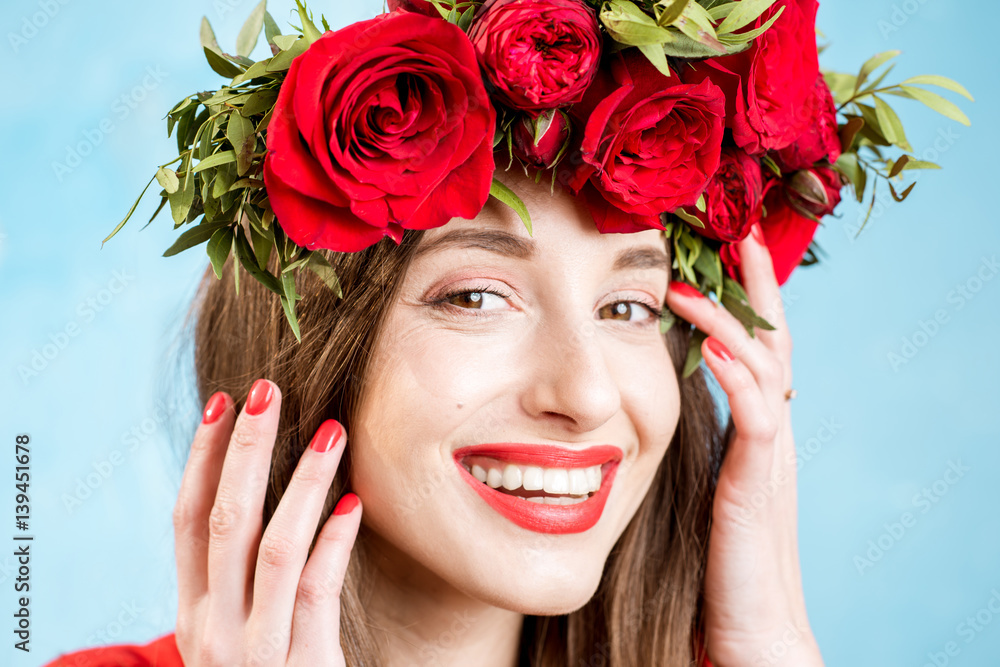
{"type": "Point", "coordinates": [624, 310]}
{"type": "Point", "coordinates": [477, 299]}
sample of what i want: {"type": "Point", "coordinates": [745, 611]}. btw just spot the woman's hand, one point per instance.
{"type": "Point", "coordinates": [755, 608]}
{"type": "Point", "coordinates": [248, 598]}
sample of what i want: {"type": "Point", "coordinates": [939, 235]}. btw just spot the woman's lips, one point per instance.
{"type": "Point", "coordinates": [559, 467]}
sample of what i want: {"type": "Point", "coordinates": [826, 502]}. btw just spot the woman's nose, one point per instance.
{"type": "Point", "coordinates": [568, 376]}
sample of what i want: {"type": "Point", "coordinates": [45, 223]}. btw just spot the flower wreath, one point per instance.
{"type": "Point", "coordinates": [717, 119]}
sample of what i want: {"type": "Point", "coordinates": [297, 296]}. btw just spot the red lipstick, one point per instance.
{"type": "Point", "coordinates": [538, 517]}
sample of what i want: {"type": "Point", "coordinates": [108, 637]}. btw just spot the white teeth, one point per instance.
{"type": "Point", "coordinates": [578, 482]}
{"type": "Point", "coordinates": [556, 480]}
{"type": "Point", "coordinates": [511, 477]}
{"type": "Point", "coordinates": [534, 478]}
{"type": "Point", "coordinates": [479, 473]}
{"type": "Point", "coordinates": [536, 499]}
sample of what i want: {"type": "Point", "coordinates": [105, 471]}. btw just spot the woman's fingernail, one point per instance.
{"type": "Point", "coordinates": [758, 233]}
{"type": "Point", "coordinates": [326, 436]}
{"type": "Point", "coordinates": [346, 504]}
{"type": "Point", "coordinates": [719, 350]}
{"type": "Point", "coordinates": [685, 290]}
{"type": "Point", "coordinates": [216, 404]}
{"type": "Point", "coordinates": [260, 397]}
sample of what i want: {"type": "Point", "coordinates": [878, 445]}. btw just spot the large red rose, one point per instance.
{"type": "Point", "coordinates": [649, 144]}
{"type": "Point", "coordinates": [821, 140]}
{"type": "Point", "coordinates": [768, 86]}
{"type": "Point", "coordinates": [733, 198]}
{"type": "Point", "coordinates": [537, 54]}
{"type": "Point", "coordinates": [382, 126]}
{"type": "Point", "coordinates": [788, 227]}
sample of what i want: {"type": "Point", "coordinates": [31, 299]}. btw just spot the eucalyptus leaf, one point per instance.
{"type": "Point", "coordinates": [219, 245]}
{"type": "Point", "coordinates": [873, 64]}
{"type": "Point", "coordinates": [167, 178]}
{"type": "Point", "coordinates": [220, 65]}
{"type": "Point", "coordinates": [694, 357]}
{"type": "Point", "coordinates": [656, 55]}
{"type": "Point", "coordinates": [937, 103]}
{"type": "Point", "coordinates": [208, 40]}
{"type": "Point", "coordinates": [891, 126]}
{"type": "Point", "coordinates": [940, 82]}
{"type": "Point", "coordinates": [271, 29]}
{"type": "Point", "coordinates": [216, 159]}
{"type": "Point", "coordinates": [628, 24]}
{"type": "Point", "coordinates": [240, 133]}
{"type": "Point", "coordinates": [510, 198]}
{"type": "Point", "coordinates": [130, 212]}
{"type": "Point", "coordinates": [319, 265]}
{"type": "Point", "coordinates": [250, 32]}
{"type": "Point", "coordinates": [744, 13]}
{"type": "Point", "coordinates": [194, 236]}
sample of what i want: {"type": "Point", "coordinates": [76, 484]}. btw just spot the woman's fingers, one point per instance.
{"type": "Point", "coordinates": [316, 621]}
{"type": "Point", "coordinates": [694, 307]}
{"type": "Point", "coordinates": [751, 455]}
{"type": "Point", "coordinates": [196, 497]}
{"type": "Point", "coordinates": [285, 544]}
{"type": "Point", "coordinates": [763, 291]}
{"type": "Point", "coordinates": [235, 521]}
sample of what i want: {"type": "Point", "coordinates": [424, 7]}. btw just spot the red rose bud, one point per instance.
{"type": "Point", "coordinates": [814, 192]}
{"type": "Point", "coordinates": [650, 144]}
{"type": "Point", "coordinates": [768, 86]}
{"type": "Point", "coordinates": [733, 198]}
{"type": "Point", "coordinates": [537, 54]}
{"type": "Point", "coordinates": [540, 141]}
{"type": "Point", "coordinates": [821, 139]}
{"type": "Point", "coordinates": [381, 126]}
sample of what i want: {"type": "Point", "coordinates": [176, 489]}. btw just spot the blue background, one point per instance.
{"type": "Point", "coordinates": [111, 400]}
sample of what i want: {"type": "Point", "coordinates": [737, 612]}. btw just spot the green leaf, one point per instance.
{"type": "Point", "coordinates": [656, 55]}
{"type": "Point", "coordinates": [667, 320]}
{"type": "Point", "coordinates": [167, 178]}
{"type": "Point", "coordinates": [288, 302]}
{"type": "Point", "coordinates": [890, 124]}
{"type": "Point", "coordinates": [683, 46]}
{"type": "Point", "coordinates": [319, 265]}
{"type": "Point", "coordinates": [694, 353]}
{"type": "Point", "coordinates": [219, 245]}
{"type": "Point", "coordinates": [709, 266]}
{"type": "Point", "coordinates": [842, 86]}
{"type": "Point", "coordinates": [508, 197]}
{"type": "Point", "coordinates": [899, 165]}
{"type": "Point", "coordinates": [208, 40]}
{"type": "Point", "coordinates": [940, 82]}
{"type": "Point", "coordinates": [130, 212]}
{"type": "Point", "coordinates": [900, 197]}
{"type": "Point", "coordinates": [259, 102]}
{"type": "Point", "coordinates": [735, 300]}
{"type": "Point", "coordinates": [216, 159]}
{"type": "Point", "coordinates": [283, 60]}
{"type": "Point", "coordinates": [271, 29]}
{"type": "Point", "coordinates": [194, 236]}
{"type": "Point", "coordinates": [921, 164]}
{"type": "Point", "coordinates": [181, 201]}
{"type": "Point", "coordinates": [309, 30]}
{"type": "Point", "coordinates": [934, 101]}
{"type": "Point", "coordinates": [250, 32]}
{"type": "Point", "coordinates": [220, 65]}
{"type": "Point", "coordinates": [744, 13]}
{"type": "Point", "coordinates": [240, 134]}
{"type": "Point", "coordinates": [628, 24]}
{"type": "Point", "coordinates": [688, 218]}
{"type": "Point", "coordinates": [873, 64]}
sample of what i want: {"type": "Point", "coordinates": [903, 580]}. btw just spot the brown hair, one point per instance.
{"type": "Point", "coordinates": [647, 609]}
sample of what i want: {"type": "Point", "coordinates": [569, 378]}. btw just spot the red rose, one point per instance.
{"type": "Point", "coordinates": [382, 126]}
{"type": "Point", "coordinates": [768, 86]}
{"type": "Point", "coordinates": [537, 54]}
{"type": "Point", "coordinates": [540, 141]}
{"type": "Point", "coordinates": [787, 231]}
{"type": "Point", "coordinates": [733, 198]}
{"type": "Point", "coordinates": [649, 145]}
{"type": "Point", "coordinates": [821, 139]}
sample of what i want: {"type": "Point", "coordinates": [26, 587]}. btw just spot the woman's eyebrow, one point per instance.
{"type": "Point", "coordinates": [494, 240]}
{"type": "Point", "coordinates": [509, 245]}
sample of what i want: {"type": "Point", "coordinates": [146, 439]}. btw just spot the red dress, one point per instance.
{"type": "Point", "coordinates": [160, 652]}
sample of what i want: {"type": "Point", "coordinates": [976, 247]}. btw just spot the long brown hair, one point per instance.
{"type": "Point", "coordinates": [647, 609]}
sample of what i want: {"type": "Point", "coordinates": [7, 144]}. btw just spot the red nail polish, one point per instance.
{"type": "Point", "coordinates": [260, 397]}
{"type": "Point", "coordinates": [758, 233]}
{"type": "Point", "coordinates": [685, 290]}
{"type": "Point", "coordinates": [719, 350]}
{"type": "Point", "coordinates": [346, 504]}
{"type": "Point", "coordinates": [216, 404]}
{"type": "Point", "coordinates": [326, 436]}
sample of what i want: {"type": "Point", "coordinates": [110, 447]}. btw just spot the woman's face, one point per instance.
{"type": "Point", "coordinates": [543, 368]}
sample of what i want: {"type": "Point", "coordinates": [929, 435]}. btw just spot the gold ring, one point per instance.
{"type": "Point", "coordinates": [790, 394]}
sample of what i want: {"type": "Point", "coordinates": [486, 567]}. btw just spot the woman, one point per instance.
{"type": "Point", "coordinates": [570, 359]}
{"type": "Point", "coordinates": [399, 478]}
